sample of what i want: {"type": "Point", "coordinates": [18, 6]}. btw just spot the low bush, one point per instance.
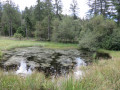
{"type": "Point", "coordinates": [112, 42]}
{"type": "Point", "coordinates": [18, 35]}
{"type": "Point", "coordinates": [67, 30]}
{"type": "Point", "coordinates": [95, 31]}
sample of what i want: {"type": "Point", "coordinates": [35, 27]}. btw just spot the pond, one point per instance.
{"type": "Point", "coordinates": [28, 71]}
{"type": "Point", "coordinates": [50, 61]}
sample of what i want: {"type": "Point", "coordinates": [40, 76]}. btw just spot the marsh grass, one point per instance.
{"type": "Point", "coordinates": [7, 44]}
{"type": "Point", "coordinates": [103, 75]}
{"type": "Point", "coordinates": [36, 81]}
{"type": "Point", "coordinates": [11, 43]}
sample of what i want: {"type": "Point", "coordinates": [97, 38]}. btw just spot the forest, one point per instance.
{"type": "Point", "coordinates": [45, 22]}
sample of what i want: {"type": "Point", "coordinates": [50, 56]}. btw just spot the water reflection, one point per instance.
{"type": "Point", "coordinates": [78, 73]}
{"type": "Point", "coordinates": [23, 69]}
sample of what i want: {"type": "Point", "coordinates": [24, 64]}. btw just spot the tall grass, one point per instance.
{"type": "Point", "coordinates": [104, 75]}
{"type": "Point", "coordinates": [36, 81]}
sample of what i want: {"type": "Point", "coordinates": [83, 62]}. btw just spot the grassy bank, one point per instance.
{"type": "Point", "coordinates": [113, 54]}
{"type": "Point", "coordinates": [103, 75]}
{"type": "Point", "coordinates": [11, 43]}
{"type": "Point", "coordinates": [6, 44]}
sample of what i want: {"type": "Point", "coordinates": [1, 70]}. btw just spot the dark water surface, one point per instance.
{"type": "Point", "coordinates": [49, 61]}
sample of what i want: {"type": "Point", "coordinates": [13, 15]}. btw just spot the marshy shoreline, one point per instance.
{"type": "Point", "coordinates": [96, 75]}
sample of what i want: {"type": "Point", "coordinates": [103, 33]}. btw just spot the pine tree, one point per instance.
{"type": "Point", "coordinates": [58, 8]}
{"type": "Point", "coordinates": [100, 7]}
{"type": "Point", "coordinates": [49, 12]}
{"type": "Point", "coordinates": [10, 17]}
{"type": "Point", "coordinates": [74, 8]}
{"type": "Point", "coordinates": [116, 4]}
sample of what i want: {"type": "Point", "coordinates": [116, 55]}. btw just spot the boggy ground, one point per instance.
{"type": "Point", "coordinates": [101, 75]}
{"type": "Point", "coordinates": [48, 60]}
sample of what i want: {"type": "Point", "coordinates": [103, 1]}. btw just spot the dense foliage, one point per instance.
{"type": "Point", "coordinates": [45, 21]}
{"type": "Point", "coordinates": [95, 31]}
{"type": "Point", "coordinates": [67, 30]}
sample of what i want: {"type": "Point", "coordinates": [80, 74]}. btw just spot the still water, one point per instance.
{"type": "Point", "coordinates": [24, 70]}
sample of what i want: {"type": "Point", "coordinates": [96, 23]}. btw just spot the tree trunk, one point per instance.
{"type": "Point", "coordinates": [95, 8]}
{"type": "Point", "coordinates": [56, 6]}
{"type": "Point", "coordinates": [48, 28]}
{"type": "Point", "coordinates": [101, 8]}
{"type": "Point", "coordinates": [57, 10]}
{"type": "Point", "coordinates": [26, 33]}
{"type": "Point", "coordinates": [119, 13]}
{"type": "Point", "coordinates": [11, 29]}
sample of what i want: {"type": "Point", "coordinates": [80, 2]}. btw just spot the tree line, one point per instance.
{"type": "Point", "coordinates": [45, 21]}
{"type": "Point", "coordinates": [42, 21]}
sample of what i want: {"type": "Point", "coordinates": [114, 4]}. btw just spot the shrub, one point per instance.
{"type": "Point", "coordinates": [89, 41]}
{"type": "Point", "coordinates": [95, 31]}
{"type": "Point", "coordinates": [66, 30]}
{"type": "Point", "coordinates": [18, 35]}
{"type": "Point", "coordinates": [112, 42]}
{"type": "Point", "coordinates": [41, 32]}
{"type": "Point", "coordinates": [21, 30]}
